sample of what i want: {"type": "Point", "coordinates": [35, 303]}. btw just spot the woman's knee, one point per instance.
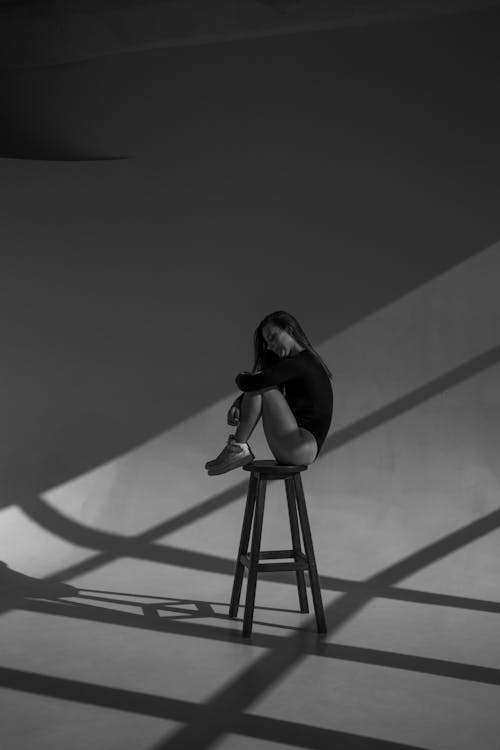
{"type": "Point", "coordinates": [251, 403]}
{"type": "Point", "coordinates": [276, 407]}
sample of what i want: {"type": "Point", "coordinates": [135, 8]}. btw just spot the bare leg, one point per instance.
{"type": "Point", "coordinates": [250, 413]}
{"type": "Point", "coordinates": [288, 442]}
{"type": "Point", "coordinates": [237, 452]}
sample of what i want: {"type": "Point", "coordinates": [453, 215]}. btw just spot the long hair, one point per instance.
{"type": "Point", "coordinates": [263, 357]}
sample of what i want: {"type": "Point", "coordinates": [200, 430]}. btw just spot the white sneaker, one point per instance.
{"type": "Point", "coordinates": [231, 457]}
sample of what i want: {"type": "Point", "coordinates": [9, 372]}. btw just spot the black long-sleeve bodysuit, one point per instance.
{"type": "Point", "coordinates": [306, 386]}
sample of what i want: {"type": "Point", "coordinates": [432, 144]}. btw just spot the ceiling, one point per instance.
{"type": "Point", "coordinates": [35, 33]}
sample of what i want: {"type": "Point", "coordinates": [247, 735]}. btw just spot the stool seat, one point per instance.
{"type": "Point", "coordinates": [301, 560]}
{"type": "Point", "coordinates": [273, 469]}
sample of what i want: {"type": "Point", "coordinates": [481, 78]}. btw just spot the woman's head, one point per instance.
{"type": "Point", "coordinates": [280, 334]}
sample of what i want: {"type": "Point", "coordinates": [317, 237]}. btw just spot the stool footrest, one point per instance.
{"type": "Point", "coordinates": [276, 554]}
{"type": "Point", "coordinates": [300, 561]}
{"type": "Point", "coordinates": [282, 567]}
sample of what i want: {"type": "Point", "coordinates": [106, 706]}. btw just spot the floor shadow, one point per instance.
{"type": "Point", "coordinates": [140, 546]}
{"type": "Point", "coordinates": [174, 615]}
{"type": "Point", "coordinates": [282, 653]}
{"type": "Point", "coordinates": [185, 712]}
{"type": "Point", "coordinates": [99, 593]}
{"type": "Point", "coordinates": [15, 586]}
{"type": "Point", "coordinates": [331, 583]}
{"type": "Point", "coordinates": [413, 663]}
{"type": "Point", "coordinates": [437, 599]}
{"type": "Point", "coordinates": [272, 667]}
{"type": "Point", "coordinates": [435, 551]}
{"type": "Point", "coordinates": [199, 619]}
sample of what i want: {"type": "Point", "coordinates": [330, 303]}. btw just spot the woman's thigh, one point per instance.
{"type": "Point", "coordinates": [288, 442]}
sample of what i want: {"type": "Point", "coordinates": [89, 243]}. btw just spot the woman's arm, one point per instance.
{"type": "Point", "coordinates": [237, 402]}
{"type": "Point", "coordinates": [233, 414]}
{"type": "Point", "coordinates": [284, 370]}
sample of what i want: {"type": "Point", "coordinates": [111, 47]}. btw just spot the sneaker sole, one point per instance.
{"type": "Point", "coordinates": [210, 463]}
{"type": "Point", "coordinates": [230, 467]}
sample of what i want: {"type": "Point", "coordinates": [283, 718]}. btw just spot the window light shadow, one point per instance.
{"type": "Point", "coordinates": [112, 545]}
{"type": "Point", "coordinates": [147, 704]}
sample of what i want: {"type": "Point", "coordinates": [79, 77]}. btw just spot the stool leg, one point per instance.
{"type": "Point", "coordinates": [243, 548]}
{"type": "Point", "coordinates": [308, 544]}
{"type": "Point", "coordinates": [294, 528]}
{"type": "Point", "coordinates": [254, 557]}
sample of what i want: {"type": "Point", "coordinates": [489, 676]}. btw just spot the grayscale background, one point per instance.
{"type": "Point", "coordinates": [171, 172]}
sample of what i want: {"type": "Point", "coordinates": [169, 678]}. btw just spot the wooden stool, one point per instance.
{"type": "Point", "coordinates": [260, 473]}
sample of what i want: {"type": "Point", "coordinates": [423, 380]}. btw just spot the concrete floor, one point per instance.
{"type": "Point", "coordinates": [116, 585]}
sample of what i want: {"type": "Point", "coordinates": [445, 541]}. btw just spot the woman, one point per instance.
{"type": "Point", "coordinates": [290, 388]}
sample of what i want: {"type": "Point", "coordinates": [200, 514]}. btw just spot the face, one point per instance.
{"type": "Point", "coordinates": [279, 341]}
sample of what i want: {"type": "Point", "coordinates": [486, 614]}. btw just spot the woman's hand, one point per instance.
{"type": "Point", "coordinates": [233, 416]}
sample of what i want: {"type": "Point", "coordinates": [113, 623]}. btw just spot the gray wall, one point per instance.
{"type": "Point", "coordinates": [327, 173]}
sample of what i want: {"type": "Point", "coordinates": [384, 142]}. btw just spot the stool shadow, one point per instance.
{"type": "Point", "coordinates": [84, 593]}
{"type": "Point", "coordinates": [61, 599]}
{"type": "Point", "coordinates": [15, 585]}
{"type": "Point", "coordinates": [168, 609]}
